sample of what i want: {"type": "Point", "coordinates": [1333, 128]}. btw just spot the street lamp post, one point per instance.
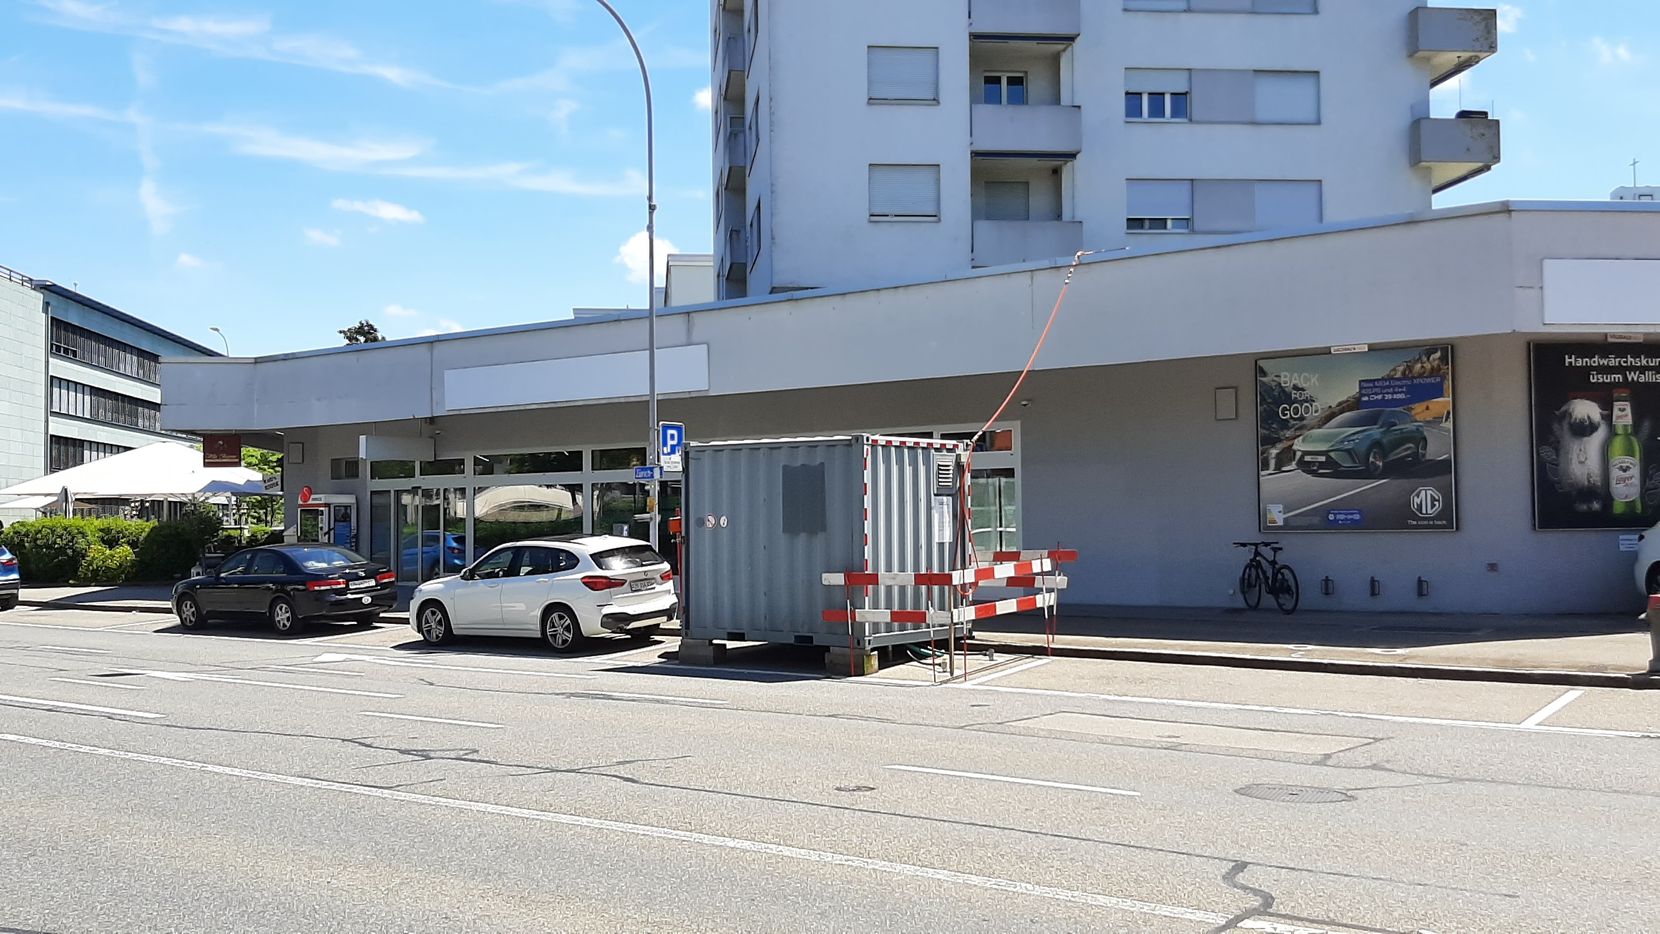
{"type": "Point", "coordinates": [652, 453]}
{"type": "Point", "coordinates": [223, 338]}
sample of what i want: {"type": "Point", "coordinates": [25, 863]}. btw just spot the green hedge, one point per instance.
{"type": "Point", "coordinates": [112, 550]}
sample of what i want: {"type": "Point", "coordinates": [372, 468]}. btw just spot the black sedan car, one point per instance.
{"type": "Point", "coordinates": [288, 585]}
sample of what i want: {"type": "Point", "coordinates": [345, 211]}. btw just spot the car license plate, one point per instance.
{"type": "Point", "coordinates": [1314, 459]}
{"type": "Point", "coordinates": [363, 584]}
{"type": "Point", "coordinates": [637, 586]}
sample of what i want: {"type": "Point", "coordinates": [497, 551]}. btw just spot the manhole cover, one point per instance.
{"type": "Point", "coordinates": [856, 788]}
{"type": "Point", "coordinates": [1295, 794]}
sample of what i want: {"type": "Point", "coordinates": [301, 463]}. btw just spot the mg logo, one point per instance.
{"type": "Point", "coordinates": [1427, 502]}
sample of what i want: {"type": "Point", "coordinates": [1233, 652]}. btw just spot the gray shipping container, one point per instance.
{"type": "Point", "coordinates": [766, 519]}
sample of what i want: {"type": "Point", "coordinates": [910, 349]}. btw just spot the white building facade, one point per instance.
{"type": "Point", "coordinates": [862, 142]}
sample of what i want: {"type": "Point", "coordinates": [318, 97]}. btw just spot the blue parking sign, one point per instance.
{"type": "Point", "coordinates": [671, 446]}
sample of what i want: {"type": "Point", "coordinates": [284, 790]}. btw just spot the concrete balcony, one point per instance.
{"type": "Point", "coordinates": [733, 264]}
{"type": "Point", "coordinates": [734, 159]}
{"type": "Point", "coordinates": [1035, 128]}
{"type": "Point", "coordinates": [729, 69]}
{"type": "Point", "coordinates": [1455, 149]}
{"type": "Point", "coordinates": [1025, 18]}
{"type": "Point", "coordinates": [1000, 243]}
{"type": "Point", "coordinates": [1451, 41]}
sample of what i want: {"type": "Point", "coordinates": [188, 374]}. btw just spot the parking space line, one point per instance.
{"type": "Point", "coordinates": [224, 679]}
{"type": "Point", "coordinates": [313, 671]}
{"type": "Point", "coordinates": [339, 636]}
{"type": "Point", "coordinates": [863, 864]}
{"type": "Point", "coordinates": [662, 697]}
{"type": "Point", "coordinates": [70, 648]}
{"type": "Point", "coordinates": [662, 646]}
{"type": "Point", "coordinates": [1015, 781]}
{"type": "Point", "coordinates": [1311, 712]}
{"type": "Point", "coordinates": [1010, 671]}
{"type": "Point", "coordinates": [404, 716]}
{"type": "Point", "coordinates": [41, 702]}
{"type": "Point", "coordinates": [100, 684]}
{"type": "Point", "coordinates": [1544, 713]}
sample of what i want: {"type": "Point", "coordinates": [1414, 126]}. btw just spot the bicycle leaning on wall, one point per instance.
{"type": "Point", "coordinates": [1265, 572]}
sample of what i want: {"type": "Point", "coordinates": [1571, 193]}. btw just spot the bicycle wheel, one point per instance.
{"type": "Point", "coordinates": [1251, 581]}
{"type": "Point", "coordinates": [1287, 594]}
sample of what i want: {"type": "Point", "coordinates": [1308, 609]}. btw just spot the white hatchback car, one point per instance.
{"type": "Point", "coordinates": [561, 590]}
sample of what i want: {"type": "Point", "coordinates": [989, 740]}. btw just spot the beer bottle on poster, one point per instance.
{"type": "Point", "coordinates": [1625, 460]}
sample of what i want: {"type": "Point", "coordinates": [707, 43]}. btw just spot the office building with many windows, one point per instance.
{"type": "Point", "coordinates": [863, 142]}
{"type": "Point", "coordinates": [82, 379]}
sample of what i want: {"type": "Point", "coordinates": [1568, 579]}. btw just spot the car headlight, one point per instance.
{"type": "Point", "coordinates": [1347, 442]}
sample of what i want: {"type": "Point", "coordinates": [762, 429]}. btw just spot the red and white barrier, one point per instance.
{"type": "Point", "coordinates": [962, 614]}
{"type": "Point", "coordinates": [994, 573]}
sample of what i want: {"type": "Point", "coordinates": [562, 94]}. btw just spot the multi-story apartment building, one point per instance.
{"type": "Point", "coordinates": [81, 379]}
{"type": "Point", "coordinates": [864, 142]}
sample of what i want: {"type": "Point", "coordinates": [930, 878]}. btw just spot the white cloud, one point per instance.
{"type": "Point", "coordinates": [245, 37]}
{"type": "Point", "coordinates": [380, 210]}
{"type": "Point", "coordinates": [157, 210]}
{"type": "Point", "coordinates": [445, 326]}
{"type": "Point", "coordinates": [399, 311]}
{"type": "Point", "coordinates": [633, 255]}
{"type": "Point", "coordinates": [189, 261]}
{"type": "Point", "coordinates": [526, 176]}
{"type": "Point", "coordinates": [274, 144]}
{"type": "Point", "coordinates": [703, 98]}
{"type": "Point", "coordinates": [563, 108]}
{"type": "Point", "coordinates": [1612, 53]}
{"type": "Point", "coordinates": [317, 237]}
{"type": "Point", "coordinates": [1530, 55]}
{"type": "Point", "coordinates": [45, 107]}
{"type": "Point", "coordinates": [144, 72]}
{"type": "Point", "coordinates": [1510, 17]}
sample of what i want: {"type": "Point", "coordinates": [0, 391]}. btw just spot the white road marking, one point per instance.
{"type": "Point", "coordinates": [659, 647]}
{"type": "Point", "coordinates": [100, 684]}
{"type": "Point", "coordinates": [81, 629]}
{"type": "Point", "coordinates": [1310, 712]}
{"type": "Point", "coordinates": [891, 682]}
{"type": "Point", "coordinates": [40, 702]}
{"type": "Point", "coordinates": [661, 697]}
{"type": "Point", "coordinates": [70, 648]}
{"type": "Point", "coordinates": [129, 625]}
{"type": "Point", "coordinates": [824, 857]}
{"type": "Point", "coordinates": [313, 671]}
{"type": "Point", "coordinates": [404, 716]}
{"type": "Point", "coordinates": [330, 657]}
{"type": "Point", "coordinates": [1015, 781]}
{"type": "Point", "coordinates": [225, 679]}
{"type": "Point", "coordinates": [1328, 502]}
{"type": "Point", "coordinates": [1544, 713]}
{"type": "Point", "coordinates": [339, 636]}
{"type": "Point", "coordinates": [1010, 671]}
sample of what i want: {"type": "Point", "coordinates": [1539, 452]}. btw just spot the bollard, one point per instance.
{"type": "Point", "coordinates": [1653, 617]}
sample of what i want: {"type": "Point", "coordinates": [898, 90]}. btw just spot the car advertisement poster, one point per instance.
{"type": "Point", "coordinates": [1596, 461]}
{"type": "Point", "coordinates": [1357, 442]}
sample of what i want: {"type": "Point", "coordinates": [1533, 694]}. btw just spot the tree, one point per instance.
{"type": "Point", "coordinates": [363, 332]}
{"type": "Point", "coordinates": [263, 510]}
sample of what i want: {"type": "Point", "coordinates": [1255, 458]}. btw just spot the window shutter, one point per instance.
{"type": "Point", "coordinates": [1287, 97]}
{"type": "Point", "coordinates": [1287, 204]}
{"type": "Point", "coordinates": [1008, 201]}
{"type": "Point", "coordinates": [1159, 198]}
{"type": "Point", "coordinates": [1156, 80]}
{"type": "Point", "coordinates": [904, 191]}
{"type": "Point", "coordinates": [903, 74]}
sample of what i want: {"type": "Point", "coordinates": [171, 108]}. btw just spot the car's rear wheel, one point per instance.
{"type": "Point", "coordinates": [560, 630]}
{"type": "Point", "coordinates": [284, 618]}
{"type": "Point", "coordinates": [1375, 462]}
{"type": "Point", "coordinates": [189, 611]}
{"type": "Point", "coordinates": [1651, 580]}
{"type": "Point", "coordinates": [434, 624]}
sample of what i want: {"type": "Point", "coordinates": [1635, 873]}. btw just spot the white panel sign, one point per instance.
{"type": "Point", "coordinates": [1602, 291]}
{"type": "Point", "coordinates": [575, 379]}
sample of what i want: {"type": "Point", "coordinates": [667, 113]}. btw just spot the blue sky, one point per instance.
{"type": "Point", "coordinates": [281, 170]}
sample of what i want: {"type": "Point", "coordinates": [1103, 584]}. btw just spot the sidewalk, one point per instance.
{"type": "Point", "coordinates": [1599, 651]}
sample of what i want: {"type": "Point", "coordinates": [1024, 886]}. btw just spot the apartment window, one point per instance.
{"type": "Point", "coordinates": [904, 192]}
{"type": "Point", "coordinates": [1159, 206]}
{"type": "Point", "coordinates": [754, 126]}
{"type": "Point", "coordinates": [1008, 201]}
{"type": "Point", "coordinates": [755, 234]}
{"type": "Point", "coordinates": [82, 401]}
{"type": "Point", "coordinates": [896, 74]}
{"type": "Point", "coordinates": [1004, 88]}
{"type": "Point", "coordinates": [1223, 6]}
{"type": "Point", "coordinates": [1155, 105]}
{"type": "Point", "coordinates": [752, 31]}
{"type": "Point", "coordinates": [89, 347]}
{"type": "Point", "coordinates": [64, 453]}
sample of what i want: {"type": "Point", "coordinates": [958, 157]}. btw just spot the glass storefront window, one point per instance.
{"type": "Point", "coordinates": [994, 511]}
{"type": "Point", "coordinates": [616, 505]}
{"type": "Point", "coordinates": [488, 465]}
{"type": "Point", "coordinates": [391, 470]}
{"type": "Point", "coordinates": [998, 439]}
{"type": "Point", "coordinates": [619, 459]}
{"type": "Point", "coordinates": [510, 513]}
{"type": "Point", "coordinates": [448, 467]}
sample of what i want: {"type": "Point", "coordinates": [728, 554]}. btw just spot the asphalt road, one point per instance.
{"type": "Point", "coordinates": [356, 781]}
{"type": "Point", "coordinates": [1385, 502]}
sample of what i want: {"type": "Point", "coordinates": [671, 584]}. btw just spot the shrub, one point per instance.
{"type": "Point", "coordinates": [49, 550]}
{"type": "Point", "coordinates": [201, 523]}
{"type": "Point", "coordinates": [168, 552]}
{"type": "Point", "coordinates": [103, 565]}
{"type": "Point", "coordinates": [113, 532]}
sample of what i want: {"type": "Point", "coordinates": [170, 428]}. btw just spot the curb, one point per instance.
{"type": "Point", "coordinates": [1595, 679]}
{"type": "Point", "coordinates": [391, 616]}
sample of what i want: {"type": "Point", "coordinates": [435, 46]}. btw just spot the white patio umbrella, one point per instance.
{"type": "Point", "coordinates": [163, 470]}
